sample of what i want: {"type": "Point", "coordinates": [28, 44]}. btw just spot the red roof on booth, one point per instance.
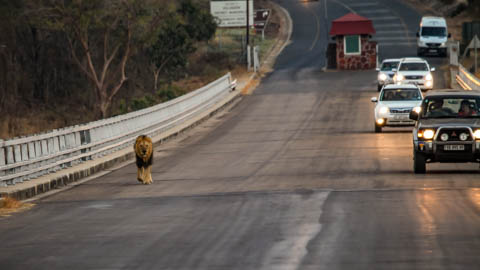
{"type": "Point", "coordinates": [352, 24]}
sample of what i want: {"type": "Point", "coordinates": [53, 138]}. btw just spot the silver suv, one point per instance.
{"type": "Point", "coordinates": [447, 128]}
{"type": "Point", "coordinates": [416, 71]}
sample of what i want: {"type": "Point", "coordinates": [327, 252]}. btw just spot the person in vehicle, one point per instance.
{"type": "Point", "coordinates": [466, 109]}
{"type": "Point", "coordinates": [389, 95]}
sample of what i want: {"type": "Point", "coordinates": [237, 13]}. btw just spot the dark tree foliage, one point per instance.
{"type": "Point", "coordinates": [200, 24]}
{"type": "Point", "coordinates": [178, 35]}
{"type": "Point", "coordinates": [84, 51]}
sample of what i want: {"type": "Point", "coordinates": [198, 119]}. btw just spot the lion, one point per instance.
{"type": "Point", "coordinates": [144, 155]}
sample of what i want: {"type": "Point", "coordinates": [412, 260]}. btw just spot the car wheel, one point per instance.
{"type": "Point", "coordinates": [419, 162]}
{"type": "Point", "coordinates": [378, 128]}
{"type": "Point", "coordinates": [419, 53]}
{"type": "Point", "coordinates": [379, 87]}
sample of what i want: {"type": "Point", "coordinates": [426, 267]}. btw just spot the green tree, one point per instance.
{"type": "Point", "coordinates": [172, 47]}
{"type": "Point", "coordinates": [177, 37]}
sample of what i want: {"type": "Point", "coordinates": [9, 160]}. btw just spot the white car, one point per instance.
{"type": "Point", "coordinates": [385, 72]}
{"type": "Point", "coordinates": [432, 36]}
{"type": "Point", "coordinates": [394, 104]}
{"type": "Point", "coordinates": [414, 70]}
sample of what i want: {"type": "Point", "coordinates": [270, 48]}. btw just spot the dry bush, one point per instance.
{"type": "Point", "coordinates": [9, 203]}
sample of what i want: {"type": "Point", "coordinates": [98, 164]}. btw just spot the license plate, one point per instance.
{"type": "Point", "coordinates": [432, 50]}
{"type": "Point", "coordinates": [400, 117]}
{"type": "Point", "coordinates": [454, 147]}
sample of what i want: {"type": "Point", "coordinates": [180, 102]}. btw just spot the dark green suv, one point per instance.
{"type": "Point", "coordinates": [447, 128]}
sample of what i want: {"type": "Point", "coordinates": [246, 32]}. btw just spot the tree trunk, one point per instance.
{"type": "Point", "coordinates": [156, 73]}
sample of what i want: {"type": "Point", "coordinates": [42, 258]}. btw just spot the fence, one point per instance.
{"type": "Point", "coordinates": [26, 158]}
{"type": "Point", "coordinates": [467, 80]}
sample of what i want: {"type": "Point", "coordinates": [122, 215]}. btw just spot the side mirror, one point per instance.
{"type": "Point", "coordinates": [432, 69]}
{"type": "Point", "coordinates": [449, 35]}
{"type": "Point", "coordinates": [413, 115]}
{"type": "Point", "coordinates": [374, 99]}
{"type": "Point", "coordinates": [377, 69]}
{"type": "Point", "coordinates": [418, 34]}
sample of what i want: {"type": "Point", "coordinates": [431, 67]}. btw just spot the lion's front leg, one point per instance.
{"type": "Point", "coordinates": [140, 173]}
{"type": "Point", "coordinates": [148, 175]}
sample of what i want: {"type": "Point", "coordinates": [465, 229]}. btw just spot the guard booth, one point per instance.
{"type": "Point", "coordinates": [354, 49]}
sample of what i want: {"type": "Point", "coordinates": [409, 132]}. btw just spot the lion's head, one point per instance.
{"type": "Point", "coordinates": [143, 147]}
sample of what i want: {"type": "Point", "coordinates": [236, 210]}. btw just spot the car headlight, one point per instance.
{"type": "Point", "coordinates": [427, 134]}
{"type": "Point", "coordinates": [429, 77]}
{"type": "Point", "coordinates": [444, 137]}
{"type": "Point", "coordinates": [476, 134]}
{"type": "Point", "coordinates": [399, 77]}
{"type": "Point", "coordinates": [417, 109]}
{"type": "Point", "coordinates": [382, 77]}
{"type": "Point", "coordinates": [383, 110]}
{"type": "Point", "coordinates": [463, 136]}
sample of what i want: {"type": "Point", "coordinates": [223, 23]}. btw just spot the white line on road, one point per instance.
{"type": "Point", "coordinates": [317, 35]}
{"type": "Point", "coordinates": [345, 6]}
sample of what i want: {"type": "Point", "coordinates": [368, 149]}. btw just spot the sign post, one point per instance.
{"type": "Point", "coordinates": [248, 26]}
{"type": "Point", "coordinates": [261, 20]}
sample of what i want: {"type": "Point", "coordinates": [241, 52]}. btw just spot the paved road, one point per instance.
{"type": "Point", "coordinates": [291, 177]}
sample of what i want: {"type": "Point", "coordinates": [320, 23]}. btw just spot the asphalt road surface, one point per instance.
{"type": "Point", "coordinates": [291, 177]}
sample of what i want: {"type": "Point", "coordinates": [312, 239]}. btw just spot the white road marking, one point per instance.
{"type": "Point", "coordinates": [345, 6]}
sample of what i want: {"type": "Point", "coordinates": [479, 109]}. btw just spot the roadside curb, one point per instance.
{"type": "Point", "coordinates": [50, 184]}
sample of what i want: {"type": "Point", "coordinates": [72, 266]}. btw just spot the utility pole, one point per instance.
{"type": "Point", "coordinates": [247, 40]}
{"type": "Point", "coordinates": [248, 37]}
{"type": "Point", "coordinates": [248, 26]}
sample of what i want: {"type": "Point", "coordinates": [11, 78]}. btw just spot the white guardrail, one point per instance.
{"type": "Point", "coordinates": [26, 158]}
{"type": "Point", "coordinates": [467, 80]}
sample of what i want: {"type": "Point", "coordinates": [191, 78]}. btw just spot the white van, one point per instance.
{"type": "Point", "coordinates": [432, 36]}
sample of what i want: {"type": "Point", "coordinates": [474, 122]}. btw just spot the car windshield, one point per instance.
{"type": "Point", "coordinates": [413, 67]}
{"type": "Point", "coordinates": [388, 66]}
{"type": "Point", "coordinates": [398, 94]}
{"type": "Point", "coordinates": [451, 107]}
{"type": "Point", "coordinates": [434, 31]}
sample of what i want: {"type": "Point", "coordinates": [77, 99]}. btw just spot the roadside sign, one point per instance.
{"type": "Point", "coordinates": [261, 17]}
{"type": "Point", "coordinates": [474, 43]}
{"type": "Point", "coordinates": [232, 13]}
